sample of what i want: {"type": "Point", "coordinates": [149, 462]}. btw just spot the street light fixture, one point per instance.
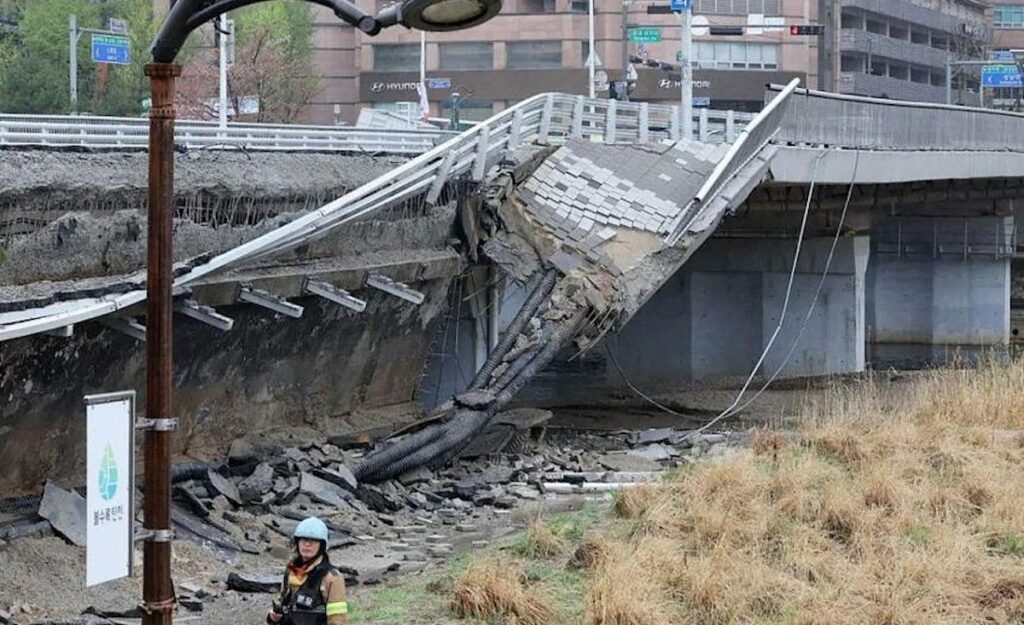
{"type": "Point", "coordinates": [184, 17]}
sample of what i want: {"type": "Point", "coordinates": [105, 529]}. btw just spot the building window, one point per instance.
{"type": "Point", "coordinates": [1009, 16]}
{"type": "Point", "coordinates": [738, 7]}
{"type": "Point", "coordinates": [469, 110]}
{"type": "Point", "coordinates": [724, 55]}
{"type": "Point", "coordinates": [467, 55]}
{"type": "Point", "coordinates": [534, 54]}
{"type": "Point", "coordinates": [580, 6]}
{"type": "Point", "coordinates": [537, 6]}
{"type": "Point", "coordinates": [396, 57]}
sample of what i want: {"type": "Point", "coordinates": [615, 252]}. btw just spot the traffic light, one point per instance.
{"type": "Point", "coordinates": [807, 30]}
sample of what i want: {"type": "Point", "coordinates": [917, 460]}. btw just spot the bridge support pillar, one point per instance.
{"type": "Point", "coordinates": [715, 317]}
{"type": "Point", "coordinates": [938, 289]}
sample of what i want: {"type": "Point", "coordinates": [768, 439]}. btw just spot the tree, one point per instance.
{"type": "Point", "coordinates": [273, 65]}
{"type": "Point", "coordinates": [34, 57]}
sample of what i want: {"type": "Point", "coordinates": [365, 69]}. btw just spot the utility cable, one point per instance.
{"type": "Point", "coordinates": [817, 293]}
{"type": "Point", "coordinates": [785, 307]}
{"type": "Point", "coordinates": [731, 409]}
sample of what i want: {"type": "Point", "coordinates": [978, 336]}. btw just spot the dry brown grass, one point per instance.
{"type": "Point", "coordinates": [542, 541]}
{"type": "Point", "coordinates": [591, 554]}
{"type": "Point", "coordinates": [894, 506]}
{"type": "Point", "coordinates": [496, 590]}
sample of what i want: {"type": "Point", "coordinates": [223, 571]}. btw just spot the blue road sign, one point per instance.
{"type": "Point", "coordinates": [439, 83]}
{"type": "Point", "coordinates": [1001, 76]}
{"type": "Point", "coordinates": [111, 49]}
{"type": "Point", "coordinates": [679, 6]}
{"type": "Point", "coordinates": [1002, 55]}
{"type": "Point", "coordinates": [702, 101]}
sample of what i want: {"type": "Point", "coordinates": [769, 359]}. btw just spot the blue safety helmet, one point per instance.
{"type": "Point", "coordinates": [312, 528]}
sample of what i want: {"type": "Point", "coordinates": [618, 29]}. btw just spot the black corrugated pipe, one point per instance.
{"type": "Point", "coordinates": [515, 367]}
{"type": "Point", "coordinates": [191, 471]}
{"type": "Point", "coordinates": [455, 434]}
{"type": "Point", "coordinates": [449, 434]}
{"type": "Point", "coordinates": [526, 312]}
{"type": "Point", "coordinates": [373, 463]}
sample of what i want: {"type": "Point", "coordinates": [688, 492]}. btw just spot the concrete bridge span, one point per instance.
{"type": "Point", "coordinates": [675, 254]}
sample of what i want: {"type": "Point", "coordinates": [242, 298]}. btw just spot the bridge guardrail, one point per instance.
{"type": "Point", "coordinates": [133, 133]}
{"type": "Point", "coordinates": [857, 122]}
{"type": "Point", "coordinates": [546, 118]}
{"type": "Point", "coordinates": [754, 137]}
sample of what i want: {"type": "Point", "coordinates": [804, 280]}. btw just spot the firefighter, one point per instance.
{"type": "Point", "coordinates": [313, 591]}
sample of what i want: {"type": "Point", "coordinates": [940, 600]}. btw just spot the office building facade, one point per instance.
{"type": "Point", "coordinates": [899, 48]}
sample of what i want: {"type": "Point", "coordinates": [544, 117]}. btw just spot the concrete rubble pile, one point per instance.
{"type": "Point", "coordinates": [252, 503]}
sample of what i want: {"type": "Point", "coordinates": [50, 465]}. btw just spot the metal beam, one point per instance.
{"type": "Point", "coordinates": [205, 314]}
{"type": "Point", "coordinates": [334, 294]}
{"type": "Point", "coordinates": [399, 290]}
{"type": "Point", "coordinates": [126, 325]}
{"type": "Point", "coordinates": [269, 301]}
{"type": "Point", "coordinates": [480, 163]}
{"type": "Point", "coordinates": [442, 177]}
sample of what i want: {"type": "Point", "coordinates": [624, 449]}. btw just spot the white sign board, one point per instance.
{"type": "Point", "coordinates": [110, 461]}
{"type": "Point", "coordinates": [755, 22]}
{"type": "Point", "coordinates": [700, 26]}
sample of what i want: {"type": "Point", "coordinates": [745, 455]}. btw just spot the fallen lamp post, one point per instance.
{"type": "Point", "coordinates": [184, 17]}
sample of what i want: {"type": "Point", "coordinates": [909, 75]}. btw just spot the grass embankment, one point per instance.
{"type": "Point", "coordinates": [887, 505]}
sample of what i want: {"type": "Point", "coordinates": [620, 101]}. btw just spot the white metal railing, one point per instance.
{"type": "Point", "coordinates": [133, 133]}
{"type": "Point", "coordinates": [627, 122]}
{"type": "Point", "coordinates": [750, 143]}
{"type": "Point", "coordinates": [546, 119]}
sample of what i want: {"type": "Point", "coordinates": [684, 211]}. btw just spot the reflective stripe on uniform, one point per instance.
{"type": "Point", "coordinates": [336, 608]}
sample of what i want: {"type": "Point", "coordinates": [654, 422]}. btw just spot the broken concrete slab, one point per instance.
{"type": "Point", "coordinates": [623, 461]}
{"type": "Point", "coordinates": [654, 452]}
{"type": "Point", "coordinates": [255, 582]}
{"type": "Point", "coordinates": [223, 486]}
{"type": "Point", "coordinates": [340, 476]}
{"type": "Point", "coordinates": [377, 499]}
{"type": "Point", "coordinates": [323, 491]}
{"type": "Point", "coordinates": [256, 485]}
{"type": "Point", "coordinates": [66, 512]}
{"type": "Point", "coordinates": [653, 435]}
{"type": "Point", "coordinates": [241, 452]}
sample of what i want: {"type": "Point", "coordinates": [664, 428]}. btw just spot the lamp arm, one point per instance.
{"type": "Point", "coordinates": [187, 15]}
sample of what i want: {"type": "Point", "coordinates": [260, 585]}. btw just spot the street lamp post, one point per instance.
{"type": "Point", "coordinates": [686, 71]}
{"type": "Point", "coordinates": [184, 17]}
{"type": "Point", "coordinates": [1018, 59]}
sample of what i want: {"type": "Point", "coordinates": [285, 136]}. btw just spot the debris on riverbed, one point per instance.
{"type": "Point", "coordinates": [251, 503]}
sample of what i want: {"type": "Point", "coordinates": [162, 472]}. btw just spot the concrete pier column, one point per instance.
{"type": "Point", "coordinates": [714, 318]}
{"type": "Point", "coordinates": [938, 289]}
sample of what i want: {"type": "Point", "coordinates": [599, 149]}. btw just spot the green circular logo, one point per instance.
{"type": "Point", "coordinates": [108, 475]}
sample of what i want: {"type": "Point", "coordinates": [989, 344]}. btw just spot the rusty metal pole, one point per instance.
{"type": "Point", "coordinates": [157, 591]}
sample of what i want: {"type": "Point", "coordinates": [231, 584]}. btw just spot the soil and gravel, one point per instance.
{"type": "Point", "coordinates": [246, 508]}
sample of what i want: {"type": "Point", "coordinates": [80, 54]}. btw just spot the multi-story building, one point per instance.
{"type": "Point", "coordinates": [899, 48]}
{"type": "Point", "coordinates": [1008, 23]}
{"type": "Point", "coordinates": [535, 46]}
{"type": "Point", "coordinates": [890, 48]}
